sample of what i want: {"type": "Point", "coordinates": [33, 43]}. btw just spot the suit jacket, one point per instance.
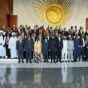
{"type": "Point", "coordinates": [19, 46]}
{"type": "Point", "coordinates": [45, 45]}
{"type": "Point", "coordinates": [52, 45]}
{"type": "Point", "coordinates": [80, 42]}
{"type": "Point", "coordinates": [76, 43]}
{"type": "Point", "coordinates": [29, 45]}
{"type": "Point", "coordinates": [59, 44]}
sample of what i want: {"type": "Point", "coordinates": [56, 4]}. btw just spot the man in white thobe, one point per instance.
{"type": "Point", "coordinates": [64, 49]}
{"type": "Point", "coordinates": [1, 44]}
{"type": "Point", "coordinates": [12, 46]}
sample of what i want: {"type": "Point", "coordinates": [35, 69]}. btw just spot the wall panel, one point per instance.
{"type": "Point", "coordinates": [6, 7]}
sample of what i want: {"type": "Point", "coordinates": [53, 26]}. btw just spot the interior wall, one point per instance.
{"type": "Point", "coordinates": [6, 7]}
{"type": "Point", "coordinates": [26, 15]}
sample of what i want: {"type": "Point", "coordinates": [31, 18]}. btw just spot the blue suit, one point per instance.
{"type": "Point", "coordinates": [76, 49]}
{"type": "Point", "coordinates": [81, 49]}
{"type": "Point", "coordinates": [52, 48]}
{"type": "Point", "coordinates": [29, 49]}
{"type": "Point", "coordinates": [86, 52]}
{"type": "Point", "coordinates": [20, 49]}
{"type": "Point", "coordinates": [45, 47]}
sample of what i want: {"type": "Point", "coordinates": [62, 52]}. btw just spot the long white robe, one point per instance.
{"type": "Point", "coordinates": [64, 50]}
{"type": "Point", "coordinates": [1, 46]}
{"type": "Point", "coordinates": [12, 47]}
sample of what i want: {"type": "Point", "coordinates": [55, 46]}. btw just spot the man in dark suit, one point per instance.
{"type": "Point", "coordinates": [86, 51]}
{"type": "Point", "coordinates": [29, 49]}
{"type": "Point", "coordinates": [45, 47]}
{"type": "Point", "coordinates": [76, 48]}
{"type": "Point", "coordinates": [59, 45]}
{"type": "Point", "coordinates": [20, 49]}
{"type": "Point", "coordinates": [81, 48]}
{"type": "Point", "coordinates": [52, 48]}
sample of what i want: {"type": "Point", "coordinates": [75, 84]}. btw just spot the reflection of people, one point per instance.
{"type": "Point", "coordinates": [64, 71]}
{"type": "Point", "coordinates": [2, 75]}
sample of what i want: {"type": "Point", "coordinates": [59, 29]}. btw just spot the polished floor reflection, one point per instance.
{"type": "Point", "coordinates": [44, 78]}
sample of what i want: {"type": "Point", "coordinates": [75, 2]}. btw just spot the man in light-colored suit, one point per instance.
{"type": "Point", "coordinates": [70, 48]}
{"type": "Point", "coordinates": [64, 49]}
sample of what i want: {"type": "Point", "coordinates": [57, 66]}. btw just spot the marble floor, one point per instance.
{"type": "Point", "coordinates": [60, 77]}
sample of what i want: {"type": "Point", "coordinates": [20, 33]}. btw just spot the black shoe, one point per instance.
{"type": "Point", "coordinates": [22, 61]}
{"type": "Point", "coordinates": [27, 62]}
{"type": "Point", "coordinates": [18, 61]}
{"type": "Point", "coordinates": [30, 61]}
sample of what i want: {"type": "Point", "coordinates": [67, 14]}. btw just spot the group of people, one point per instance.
{"type": "Point", "coordinates": [58, 44]}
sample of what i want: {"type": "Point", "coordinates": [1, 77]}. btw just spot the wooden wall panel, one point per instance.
{"type": "Point", "coordinates": [12, 20]}
{"type": "Point", "coordinates": [6, 7]}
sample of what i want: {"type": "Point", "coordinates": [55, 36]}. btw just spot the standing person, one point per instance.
{"type": "Point", "coordinates": [12, 46]}
{"type": "Point", "coordinates": [37, 48]}
{"type": "Point", "coordinates": [45, 47]}
{"type": "Point", "coordinates": [29, 49]}
{"type": "Point", "coordinates": [81, 47]}
{"type": "Point", "coordinates": [76, 48]}
{"type": "Point", "coordinates": [64, 49]}
{"type": "Point", "coordinates": [20, 49]}
{"type": "Point", "coordinates": [86, 48]}
{"type": "Point", "coordinates": [59, 46]}
{"type": "Point", "coordinates": [70, 48]}
{"type": "Point", "coordinates": [86, 52]}
{"type": "Point", "coordinates": [1, 44]}
{"type": "Point", "coordinates": [52, 48]}
{"type": "Point", "coordinates": [6, 46]}
{"type": "Point", "coordinates": [4, 49]}
{"type": "Point", "coordinates": [24, 41]}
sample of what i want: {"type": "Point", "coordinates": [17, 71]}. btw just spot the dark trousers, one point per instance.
{"type": "Point", "coordinates": [45, 56]}
{"type": "Point", "coordinates": [58, 55]}
{"type": "Point", "coordinates": [75, 55]}
{"type": "Point", "coordinates": [48, 54]}
{"type": "Point", "coordinates": [81, 54]}
{"type": "Point", "coordinates": [29, 56]}
{"type": "Point", "coordinates": [86, 54]}
{"type": "Point", "coordinates": [24, 53]}
{"type": "Point", "coordinates": [7, 51]}
{"type": "Point", "coordinates": [20, 56]}
{"type": "Point", "coordinates": [53, 56]}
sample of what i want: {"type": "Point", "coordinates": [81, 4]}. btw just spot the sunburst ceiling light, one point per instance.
{"type": "Point", "coordinates": [54, 12]}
